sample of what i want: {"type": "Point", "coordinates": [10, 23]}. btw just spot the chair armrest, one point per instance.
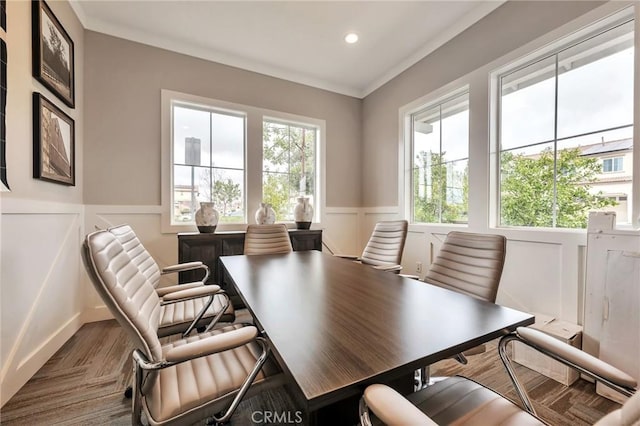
{"type": "Point", "coordinates": [576, 356]}
{"type": "Point", "coordinates": [171, 288]}
{"type": "Point", "coordinates": [388, 268]}
{"type": "Point", "coordinates": [413, 277]}
{"type": "Point", "coordinates": [212, 344]}
{"type": "Point", "coordinates": [191, 293]}
{"type": "Point", "coordinates": [188, 266]}
{"type": "Point", "coordinates": [392, 408]}
{"type": "Point", "coordinates": [347, 256]}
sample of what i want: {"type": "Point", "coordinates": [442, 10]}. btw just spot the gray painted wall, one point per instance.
{"type": "Point", "coordinates": [122, 113]}
{"type": "Point", "coordinates": [507, 28]}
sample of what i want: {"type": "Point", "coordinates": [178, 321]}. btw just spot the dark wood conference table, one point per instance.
{"type": "Point", "coordinates": [336, 326]}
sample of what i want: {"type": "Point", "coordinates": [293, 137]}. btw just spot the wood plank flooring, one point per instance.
{"type": "Point", "coordinates": [83, 384]}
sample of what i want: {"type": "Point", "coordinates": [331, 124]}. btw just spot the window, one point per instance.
{"type": "Point", "coordinates": [439, 161]}
{"type": "Point", "coordinates": [288, 165]}
{"type": "Point", "coordinates": [560, 118]}
{"type": "Point", "coordinates": [612, 165]}
{"type": "Point", "coordinates": [208, 162]}
{"type": "Point", "coordinates": [236, 156]}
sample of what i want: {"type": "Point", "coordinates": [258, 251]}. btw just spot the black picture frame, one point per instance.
{"type": "Point", "coordinates": [3, 14]}
{"type": "Point", "coordinates": [3, 115]}
{"type": "Point", "coordinates": [53, 55]}
{"type": "Point", "coordinates": [53, 143]}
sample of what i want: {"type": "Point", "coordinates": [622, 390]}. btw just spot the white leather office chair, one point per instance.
{"type": "Point", "coordinates": [182, 316]}
{"type": "Point", "coordinates": [189, 379]}
{"type": "Point", "coordinates": [385, 246]}
{"type": "Point", "coordinates": [267, 239]}
{"type": "Point", "coordinates": [471, 264]}
{"type": "Point", "coordinates": [461, 401]}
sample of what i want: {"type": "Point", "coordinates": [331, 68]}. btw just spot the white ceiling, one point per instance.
{"type": "Point", "coordinates": [301, 41]}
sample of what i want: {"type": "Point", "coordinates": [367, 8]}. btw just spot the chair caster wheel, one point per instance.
{"type": "Point", "coordinates": [128, 392]}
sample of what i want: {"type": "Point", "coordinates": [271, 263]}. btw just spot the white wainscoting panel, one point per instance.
{"type": "Point", "coordinates": [416, 249]}
{"type": "Point", "coordinates": [340, 230]}
{"type": "Point", "coordinates": [532, 277]}
{"type": "Point", "coordinates": [42, 297]}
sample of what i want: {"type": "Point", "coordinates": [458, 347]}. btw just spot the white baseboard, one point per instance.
{"type": "Point", "coordinates": [96, 313]}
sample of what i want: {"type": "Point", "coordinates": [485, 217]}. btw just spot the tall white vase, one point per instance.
{"type": "Point", "coordinates": [303, 213]}
{"type": "Point", "coordinates": [207, 218]}
{"type": "Point", "coordinates": [265, 215]}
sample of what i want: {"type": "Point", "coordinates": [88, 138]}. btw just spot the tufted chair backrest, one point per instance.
{"type": "Point", "coordinates": [267, 239]}
{"type": "Point", "coordinates": [470, 263]}
{"type": "Point", "coordinates": [138, 254]}
{"type": "Point", "coordinates": [127, 293]}
{"type": "Point", "coordinates": [386, 243]}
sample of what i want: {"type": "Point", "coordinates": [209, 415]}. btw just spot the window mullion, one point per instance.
{"type": "Point", "coordinates": [414, 183]}
{"type": "Point", "coordinates": [554, 216]}
{"type": "Point", "coordinates": [440, 168]}
{"type": "Point", "coordinates": [211, 157]}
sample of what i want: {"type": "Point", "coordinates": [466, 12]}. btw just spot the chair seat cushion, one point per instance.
{"type": "Point", "coordinates": [176, 317]}
{"type": "Point", "coordinates": [211, 380]}
{"type": "Point", "coordinates": [460, 401]}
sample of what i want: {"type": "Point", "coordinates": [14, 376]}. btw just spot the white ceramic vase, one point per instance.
{"type": "Point", "coordinates": [265, 215]}
{"type": "Point", "coordinates": [303, 213]}
{"type": "Point", "coordinates": [207, 218]}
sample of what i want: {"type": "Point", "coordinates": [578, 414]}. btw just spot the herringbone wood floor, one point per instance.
{"type": "Point", "coordinates": [83, 384]}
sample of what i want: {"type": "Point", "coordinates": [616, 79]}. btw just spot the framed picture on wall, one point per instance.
{"type": "Point", "coordinates": [53, 58]}
{"type": "Point", "coordinates": [53, 143]}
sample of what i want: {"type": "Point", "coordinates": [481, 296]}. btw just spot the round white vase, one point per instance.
{"type": "Point", "coordinates": [207, 218]}
{"type": "Point", "coordinates": [265, 215]}
{"type": "Point", "coordinates": [303, 213]}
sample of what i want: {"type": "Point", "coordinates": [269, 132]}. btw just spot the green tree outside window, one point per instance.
{"type": "Point", "coordinates": [528, 196]}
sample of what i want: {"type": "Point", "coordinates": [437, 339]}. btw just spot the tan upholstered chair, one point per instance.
{"type": "Point", "coordinates": [385, 246]}
{"type": "Point", "coordinates": [267, 239]}
{"type": "Point", "coordinates": [183, 316]}
{"type": "Point", "coordinates": [189, 379]}
{"type": "Point", "coordinates": [469, 263]}
{"type": "Point", "coordinates": [461, 401]}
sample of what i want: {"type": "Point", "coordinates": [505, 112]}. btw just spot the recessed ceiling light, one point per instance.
{"type": "Point", "coordinates": [351, 38]}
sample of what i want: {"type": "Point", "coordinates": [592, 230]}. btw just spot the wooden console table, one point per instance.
{"type": "Point", "coordinates": [194, 246]}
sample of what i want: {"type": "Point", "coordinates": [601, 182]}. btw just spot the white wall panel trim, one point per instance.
{"type": "Point", "coordinates": [11, 383]}
{"type": "Point", "coordinates": [95, 314]}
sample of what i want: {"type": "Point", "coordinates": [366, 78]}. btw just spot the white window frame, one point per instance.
{"type": "Point", "coordinates": [405, 187]}
{"type": "Point", "coordinates": [572, 33]}
{"type": "Point", "coordinates": [252, 158]}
